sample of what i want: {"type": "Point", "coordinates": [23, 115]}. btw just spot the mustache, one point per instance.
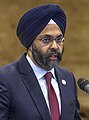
{"type": "Point", "coordinates": [52, 51]}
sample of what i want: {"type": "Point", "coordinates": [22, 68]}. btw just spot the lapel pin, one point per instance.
{"type": "Point", "coordinates": [63, 82]}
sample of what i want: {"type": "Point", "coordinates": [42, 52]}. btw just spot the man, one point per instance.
{"type": "Point", "coordinates": [35, 87]}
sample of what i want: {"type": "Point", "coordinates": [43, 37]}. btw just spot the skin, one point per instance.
{"type": "Point", "coordinates": [50, 29]}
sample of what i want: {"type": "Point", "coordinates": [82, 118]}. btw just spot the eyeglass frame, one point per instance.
{"type": "Point", "coordinates": [51, 39]}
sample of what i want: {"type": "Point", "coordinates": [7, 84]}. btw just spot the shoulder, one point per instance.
{"type": "Point", "coordinates": [8, 69]}
{"type": "Point", "coordinates": [11, 68]}
{"type": "Point", "coordinates": [67, 74]}
{"type": "Point", "coordinates": [63, 70]}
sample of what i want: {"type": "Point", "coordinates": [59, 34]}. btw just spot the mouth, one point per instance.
{"type": "Point", "coordinates": [53, 57]}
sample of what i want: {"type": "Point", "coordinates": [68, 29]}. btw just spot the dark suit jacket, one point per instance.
{"type": "Point", "coordinates": [21, 97]}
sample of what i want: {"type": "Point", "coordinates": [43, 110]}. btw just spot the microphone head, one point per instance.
{"type": "Point", "coordinates": [83, 84]}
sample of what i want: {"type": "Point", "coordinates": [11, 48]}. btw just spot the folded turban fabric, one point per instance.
{"type": "Point", "coordinates": [35, 20]}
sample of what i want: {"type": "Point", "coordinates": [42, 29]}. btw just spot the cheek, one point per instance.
{"type": "Point", "coordinates": [45, 49]}
{"type": "Point", "coordinates": [42, 48]}
{"type": "Point", "coordinates": [60, 49]}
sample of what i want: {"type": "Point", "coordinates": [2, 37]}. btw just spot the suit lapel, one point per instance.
{"type": "Point", "coordinates": [62, 95]}
{"type": "Point", "coordinates": [33, 88]}
{"type": "Point", "coordinates": [63, 83]}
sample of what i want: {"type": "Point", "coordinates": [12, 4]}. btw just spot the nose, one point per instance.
{"type": "Point", "coordinates": [54, 45]}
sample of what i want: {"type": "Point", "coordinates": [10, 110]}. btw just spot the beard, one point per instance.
{"type": "Point", "coordinates": [43, 59]}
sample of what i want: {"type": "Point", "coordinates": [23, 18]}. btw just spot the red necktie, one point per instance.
{"type": "Point", "coordinates": [53, 102]}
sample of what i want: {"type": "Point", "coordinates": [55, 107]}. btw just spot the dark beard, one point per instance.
{"type": "Point", "coordinates": [43, 59]}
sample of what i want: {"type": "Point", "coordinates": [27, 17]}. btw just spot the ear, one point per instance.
{"type": "Point", "coordinates": [30, 48]}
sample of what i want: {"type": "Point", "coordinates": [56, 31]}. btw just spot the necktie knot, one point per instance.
{"type": "Point", "coordinates": [48, 77]}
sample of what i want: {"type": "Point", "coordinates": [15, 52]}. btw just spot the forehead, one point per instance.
{"type": "Point", "coordinates": [51, 29]}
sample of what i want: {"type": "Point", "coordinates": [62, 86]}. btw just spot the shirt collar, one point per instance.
{"type": "Point", "coordinates": [39, 72]}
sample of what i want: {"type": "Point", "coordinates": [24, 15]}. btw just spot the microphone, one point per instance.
{"type": "Point", "coordinates": [84, 85]}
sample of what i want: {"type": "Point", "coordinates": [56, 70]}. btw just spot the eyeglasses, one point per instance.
{"type": "Point", "coordinates": [46, 39]}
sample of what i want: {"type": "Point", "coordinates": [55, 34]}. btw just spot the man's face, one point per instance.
{"type": "Point", "coordinates": [46, 50]}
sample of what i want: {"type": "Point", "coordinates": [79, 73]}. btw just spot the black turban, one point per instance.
{"type": "Point", "coordinates": [36, 19]}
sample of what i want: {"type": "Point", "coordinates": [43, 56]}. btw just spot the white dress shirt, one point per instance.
{"type": "Point", "coordinates": [39, 73]}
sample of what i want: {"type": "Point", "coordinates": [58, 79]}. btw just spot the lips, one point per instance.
{"type": "Point", "coordinates": [54, 56]}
